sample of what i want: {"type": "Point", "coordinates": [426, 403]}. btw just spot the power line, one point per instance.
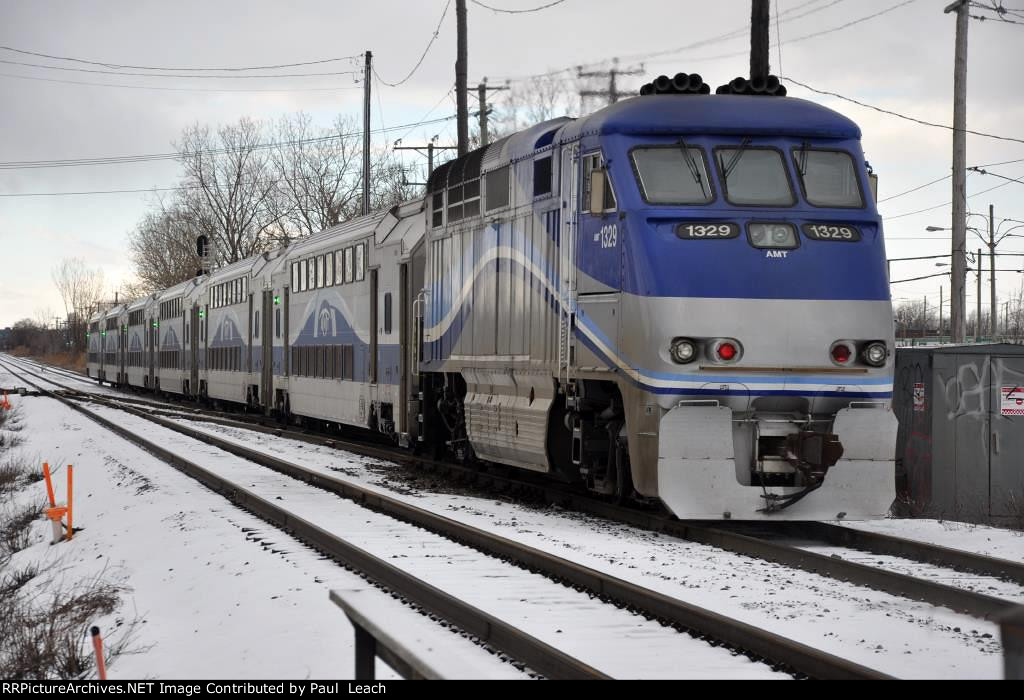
{"type": "Point", "coordinates": [430, 43]}
{"type": "Point", "coordinates": [11, 165]}
{"type": "Point", "coordinates": [172, 89]}
{"type": "Point", "coordinates": [107, 64]}
{"type": "Point", "coordinates": [897, 114]}
{"type": "Point", "coordinates": [945, 204]}
{"type": "Point", "coordinates": [978, 169]}
{"type": "Point", "coordinates": [517, 12]}
{"type": "Point", "coordinates": [915, 189]}
{"type": "Point", "coordinates": [946, 177]}
{"type": "Point", "coordinates": [736, 33]}
{"type": "Point", "coordinates": [177, 75]}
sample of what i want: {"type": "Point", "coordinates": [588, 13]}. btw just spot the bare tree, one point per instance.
{"type": "Point", "coordinates": [81, 289]}
{"type": "Point", "coordinates": [914, 318]}
{"type": "Point", "coordinates": [229, 187]}
{"type": "Point", "coordinates": [318, 174]}
{"type": "Point", "coordinates": [533, 101]}
{"type": "Point", "coordinates": [163, 248]}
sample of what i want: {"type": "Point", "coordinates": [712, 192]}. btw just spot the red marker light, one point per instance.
{"type": "Point", "coordinates": [841, 354]}
{"type": "Point", "coordinates": [726, 351]}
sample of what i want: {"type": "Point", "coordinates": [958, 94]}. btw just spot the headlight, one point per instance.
{"type": "Point", "coordinates": [683, 350]}
{"type": "Point", "coordinates": [875, 354]}
{"type": "Point", "coordinates": [772, 235]}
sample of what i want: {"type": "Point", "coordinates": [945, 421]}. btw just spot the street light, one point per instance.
{"type": "Point", "coordinates": [991, 242]}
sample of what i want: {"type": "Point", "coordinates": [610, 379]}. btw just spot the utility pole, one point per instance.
{"type": "Point", "coordinates": [958, 296]}
{"type": "Point", "coordinates": [366, 131]}
{"type": "Point", "coordinates": [992, 266]}
{"type": "Point", "coordinates": [977, 324]}
{"type": "Point", "coordinates": [612, 93]}
{"type": "Point", "coordinates": [461, 98]}
{"type": "Point", "coordinates": [429, 148]}
{"type": "Point", "coordinates": [940, 310]}
{"type": "Point", "coordinates": [759, 31]}
{"type": "Point", "coordinates": [481, 91]}
{"type": "Point", "coordinates": [924, 318]}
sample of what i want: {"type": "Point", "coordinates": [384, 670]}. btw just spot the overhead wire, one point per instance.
{"type": "Point", "coordinates": [108, 64]}
{"type": "Point", "coordinates": [517, 12]}
{"type": "Point", "coordinates": [419, 63]}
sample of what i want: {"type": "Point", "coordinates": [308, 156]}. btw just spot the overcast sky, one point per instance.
{"type": "Point", "coordinates": [901, 60]}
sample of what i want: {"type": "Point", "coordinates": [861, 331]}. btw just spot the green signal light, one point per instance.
{"type": "Point", "coordinates": [277, 300]}
{"type": "Point", "coordinates": [103, 334]}
{"type": "Point", "coordinates": [202, 314]}
{"type": "Point", "coordinates": [156, 324]}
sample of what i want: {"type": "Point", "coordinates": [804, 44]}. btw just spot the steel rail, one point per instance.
{"type": "Point", "coordinates": [759, 642]}
{"type": "Point", "coordinates": [519, 645]}
{"type": "Point", "coordinates": [717, 535]}
{"type": "Point", "coordinates": [924, 552]}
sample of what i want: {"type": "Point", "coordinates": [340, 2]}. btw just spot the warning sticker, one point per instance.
{"type": "Point", "coordinates": [919, 397]}
{"type": "Point", "coordinates": [1012, 401]}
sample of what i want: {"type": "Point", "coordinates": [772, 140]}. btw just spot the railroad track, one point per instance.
{"type": "Point", "coordinates": [768, 542]}
{"type": "Point", "coordinates": [753, 641]}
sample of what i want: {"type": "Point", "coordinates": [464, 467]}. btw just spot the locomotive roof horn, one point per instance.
{"type": "Point", "coordinates": [769, 87]}
{"type": "Point", "coordinates": [680, 84]}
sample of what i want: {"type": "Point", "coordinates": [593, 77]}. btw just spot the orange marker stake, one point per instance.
{"type": "Point", "coordinates": [70, 480]}
{"type": "Point", "coordinates": [49, 484]}
{"type": "Point", "coordinates": [97, 647]}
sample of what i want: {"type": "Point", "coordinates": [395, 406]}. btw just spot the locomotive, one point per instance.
{"type": "Point", "coordinates": [681, 298]}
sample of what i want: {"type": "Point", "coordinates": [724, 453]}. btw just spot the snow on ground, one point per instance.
{"type": "Point", "coordinates": [899, 636]}
{"type": "Point", "coordinates": [615, 641]}
{"type": "Point", "coordinates": [214, 591]}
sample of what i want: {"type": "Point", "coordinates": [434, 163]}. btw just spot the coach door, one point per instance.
{"type": "Point", "coordinates": [151, 331]}
{"type": "Point", "coordinates": [123, 352]}
{"type": "Point", "coordinates": [194, 350]}
{"type": "Point", "coordinates": [267, 350]}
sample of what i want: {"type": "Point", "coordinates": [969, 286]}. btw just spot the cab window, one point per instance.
{"type": "Point", "coordinates": [595, 175]}
{"type": "Point", "coordinates": [672, 174]}
{"type": "Point", "coordinates": [754, 176]}
{"type": "Point", "coordinates": [828, 178]}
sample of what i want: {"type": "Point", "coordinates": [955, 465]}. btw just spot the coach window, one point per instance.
{"type": "Point", "coordinates": [329, 270]}
{"type": "Point", "coordinates": [360, 262]}
{"type": "Point", "coordinates": [348, 265]}
{"type": "Point", "coordinates": [437, 209]}
{"type": "Point", "coordinates": [542, 176]}
{"type": "Point", "coordinates": [295, 275]}
{"type": "Point", "coordinates": [828, 178]}
{"type": "Point", "coordinates": [496, 194]}
{"type": "Point", "coordinates": [387, 312]}
{"type": "Point", "coordinates": [754, 176]}
{"type": "Point", "coordinates": [302, 276]}
{"type": "Point", "coordinates": [471, 198]}
{"type": "Point", "coordinates": [311, 266]}
{"type": "Point", "coordinates": [455, 203]}
{"type": "Point", "coordinates": [277, 323]}
{"type": "Point", "coordinates": [339, 267]}
{"type": "Point", "coordinates": [319, 271]}
{"type": "Point", "coordinates": [256, 324]}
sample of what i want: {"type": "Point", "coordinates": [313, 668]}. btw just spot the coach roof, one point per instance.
{"type": "Point", "coordinates": [734, 115]}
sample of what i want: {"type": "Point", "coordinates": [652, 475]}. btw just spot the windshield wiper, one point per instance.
{"type": "Point", "coordinates": [694, 170]}
{"type": "Point", "coordinates": [801, 161]}
{"type": "Point", "coordinates": [736, 158]}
